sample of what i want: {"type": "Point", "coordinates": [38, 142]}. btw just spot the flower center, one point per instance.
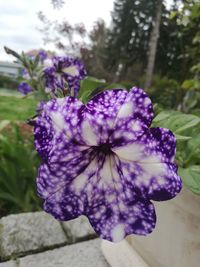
{"type": "Point", "coordinates": [104, 148]}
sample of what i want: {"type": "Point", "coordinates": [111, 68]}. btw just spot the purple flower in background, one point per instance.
{"type": "Point", "coordinates": [24, 88]}
{"type": "Point", "coordinates": [43, 55]}
{"type": "Point", "coordinates": [103, 161]}
{"type": "Point", "coordinates": [64, 73]}
{"type": "Point", "coordinates": [25, 74]}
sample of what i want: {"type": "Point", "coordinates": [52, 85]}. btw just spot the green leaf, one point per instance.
{"type": "Point", "coordinates": [85, 96]}
{"type": "Point", "coordinates": [15, 148]}
{"type": "Point", "coordinates": [9, 197]}
{"type": "Point", "coordinates": [88, 86]}
{"type": "Point", "coordinates": [182, 138]}
{"type": "Point", "coordinates": [185, 121]}
{"type": "Point", "coordinates": [175, 121]}
{"type": "Point", "coordinates": [188, 84]}
{"type": "Point", "coordinates": [115, 86]}
{"type": "Point", "coordinates": [196, 68]}
{"type": "Point", "coordinates": [161, 116]}
{"type": "Point", "coordinates": [192, 150]}
{"type": "Point", "coordinates": [191, 178]}
{"type": "Point", "coordinates": [12, 52]}
{"type": "Point", "coordinates": [173, 14]}
{"type": "Point", "coordinates": [36, 61]}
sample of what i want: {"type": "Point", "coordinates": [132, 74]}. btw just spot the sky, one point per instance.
{"type": "Point", "coordinates": [19, 23]}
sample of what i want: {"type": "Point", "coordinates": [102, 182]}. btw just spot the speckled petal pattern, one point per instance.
{"type": "Point", "coordinates": [64, 205]}
{"type": "Point", "coordinates": [103, 161]}
{"type": "Point", "coordinates": [113, 209]}
{"type": "Point", "coordinates": [60, 120]}
{"type": "Point", "coordinates": [158, 143]}
{"type": "Point", "coordinates": [64, 73]}
{"type": "Point", "coordinates": [137, 217]}
{"type": "Point", "coordinates": [133, 117]}
{"type": "Point", "coordinates": [101, 112]}
{"type": "Point", "coordinates": [149, 166]}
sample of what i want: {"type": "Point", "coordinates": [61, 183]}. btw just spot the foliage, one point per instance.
{"type": "Point", "coordinates": [190, 101]}
{"type": "Point", "coordinates": [15, 108]}
{"type": "Point", "coordinates": [167, 92]}
{"type": "Point", "coordinates": [18, 164]}
{"type": "Point", "coordinates": [187, 130]}
{"type": "Point", "coordinates": [7, 82]}
{"type": "Point", "coordinates": [88, 86]}
{"type": "Point", "coordinates": [91, 86]}
{"type": "Point", "coordinates": [190, 177]}
{"type": "Point", "coordinates": [192, 84]}
{"type": "Point", "coordinates": [190, 19]}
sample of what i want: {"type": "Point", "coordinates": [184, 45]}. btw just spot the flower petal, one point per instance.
{"type": "Point", "coordinates": [156, 181]}
{"type": "Point", "coordinates": [148, 165]}
{"type": "Point", "coordinates": [43, 139]}
{"type": "Point", "coordinates": [119, 115]}
{"type": "Point", "coordinates": [137, 106]}
{"type": "Point", "coordinates": [64, 204]}
{"type": "Point", "coordinates": [24, 88]}
{"type": "Point", "coordinates": [54, 121]}
{"type": "Point", "coordinates": [102, 110]}
{"type": "Point", "coordinates": [113, 209]}
{"type": "Point", "coordinates": [71, 70]}
{"type": "Point", "coordinates": [64, 193]}
{"type": "Point", "coordinates": [155, 145]}
{"type": "Point", "coordinates": [58, 174]}
{"type": "Point", "coordinates": [133, 117]}
{"type": "Point", "coordinates": [64, 73]}
{"type": "Point", "coordinates": [113, 224]}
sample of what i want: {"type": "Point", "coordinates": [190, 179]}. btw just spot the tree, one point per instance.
{"type": "Point", "coordinates": [153, 46]}
{"type": "Point", "coordinates": [190, 20]}
{"type": "Point", "coordinates": [63, 34]}
{"type": "Point", "coordinates": [94, 54]}
{"type": "Point", "coordinates": [177, 50]}
{"type": "Point", "coordinates": [128, 38]}
{"type": "Point", "coordinates": [57, 4]}
{"type": "Point", "coordinates": [170, 45]}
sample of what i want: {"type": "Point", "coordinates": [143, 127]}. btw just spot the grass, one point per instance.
{"type": "Point", "coordinates": [10, 92]}
{"type": "Point", "coordinates": [16, 108]}
{"type": "Point", "coordinates": [18, 158]}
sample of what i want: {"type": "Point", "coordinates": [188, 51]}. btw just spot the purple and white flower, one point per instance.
{"type": "Point", "coordinates": [103, 161]}
{"type": "Point", "coordinates": [64, 73]}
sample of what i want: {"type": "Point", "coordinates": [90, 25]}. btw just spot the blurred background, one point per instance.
{"type": "Point", "coordinates": [152, 44]}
